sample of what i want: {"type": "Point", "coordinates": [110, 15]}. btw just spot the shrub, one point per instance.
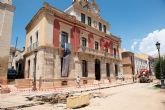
{"type": "Point", "coordinates": [157, 69]}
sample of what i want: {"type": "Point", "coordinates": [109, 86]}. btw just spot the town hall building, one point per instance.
{"type": "Point", "coordinates": [63, 45]}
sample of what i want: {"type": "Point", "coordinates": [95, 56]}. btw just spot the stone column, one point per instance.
{"type": "Point", "coordinates": [78, 68]}
{"type": "Point", "coordinates": [103, 69]}
{"type": "Point", "coordinates": [57, 69]}
{"type": "Point", "coordinates": [91, 69]}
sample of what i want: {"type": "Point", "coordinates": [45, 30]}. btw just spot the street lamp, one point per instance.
{"type": "Point", "coordinates": [161, 72]}
{"type": "Point", "coordinates": [34, 73]}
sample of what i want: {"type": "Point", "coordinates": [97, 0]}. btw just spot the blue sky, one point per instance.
{"type": "Point", "coordinates": [131, 20]}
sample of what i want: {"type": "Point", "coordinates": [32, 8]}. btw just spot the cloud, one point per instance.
{"type": "Point", "coordinates": [147, 45]}
{"type": "Point", "coordinates": [134, 45]}
{"type": "Point", "coordinates": [124, 49]}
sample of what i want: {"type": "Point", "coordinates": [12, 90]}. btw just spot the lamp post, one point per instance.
{"type": "Point", "coordinates": [161, 72]}
{"type": "Point", "coordinates": [34, 73]}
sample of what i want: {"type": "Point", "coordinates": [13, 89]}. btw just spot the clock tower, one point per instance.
{"type": "Point", "coordinates": [6, 21]}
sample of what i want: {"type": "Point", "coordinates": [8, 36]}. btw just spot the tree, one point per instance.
{"type": "Point", "coordinates": [157, 69]}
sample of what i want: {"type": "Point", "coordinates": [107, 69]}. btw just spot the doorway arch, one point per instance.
{"type": "Point", "coordinates": [97, 69]}
{"type": "Point", "coordinates": [116, 70]}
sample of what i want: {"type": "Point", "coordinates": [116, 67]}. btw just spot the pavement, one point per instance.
{"type": "Point", "coordinates": [130, 97]}
{"type": "Point", "coordinates": [126, 94]}
{"type": "Point", "coordinates": [17, 97]}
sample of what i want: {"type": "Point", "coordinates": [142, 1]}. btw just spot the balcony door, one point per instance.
{"type": "Point", "coordinates": [64, 39]}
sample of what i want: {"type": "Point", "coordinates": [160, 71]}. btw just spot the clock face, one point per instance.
{"type": "Point", "coordinates": [95, 10]}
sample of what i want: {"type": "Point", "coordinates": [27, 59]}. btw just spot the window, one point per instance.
{"type": "Point", "coordinates": [82, 18]}
{"type": "Point", "coordinates": [105, 29]}
{"type": "Point", "coordinates": [86, 7]}
{"type": "Point", "coordinates": [84, 42]}
{"type": "Point", "coordinates": [114, 53]}
{"type": "Point", "coordinates": [100, 26]}
{"type": "Point", "coordinates": [31, 40]}
{"type": "Point", "coordinates": [84, 69]}
{"type": "Point", "coordinates": [89, 21]}
{"type": "Point", "coordinates": [96, 46]}
{"type": "Point", "coordinates": [64, 39]}
{"type": "Point", "coordinates": [37, 36]}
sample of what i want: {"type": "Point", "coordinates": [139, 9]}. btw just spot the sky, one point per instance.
{"type": "Point", "coordinates": [139, 23]}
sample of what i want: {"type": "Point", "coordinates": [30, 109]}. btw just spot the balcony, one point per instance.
{"type": "Point", "coordinates": [96, 52]}
{"type": "Point", "coordinates": [32, 47]}
{"type": "Point", "coordinates": [115, 56]}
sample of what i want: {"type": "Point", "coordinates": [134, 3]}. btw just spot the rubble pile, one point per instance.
{"type": "Point", "coordinates": [52, 98]}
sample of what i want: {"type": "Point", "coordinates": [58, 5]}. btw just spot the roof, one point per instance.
{"type": "Point", "coordinates": [127, 52]}
{"type": "Point", "coordinates": [142, 56]}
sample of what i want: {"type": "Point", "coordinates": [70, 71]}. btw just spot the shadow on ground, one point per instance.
{"type": "Point", "coordinates": [157, 86]}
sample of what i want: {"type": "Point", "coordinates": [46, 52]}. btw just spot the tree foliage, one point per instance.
{"type": "Point", "coordinates": [157, 69]}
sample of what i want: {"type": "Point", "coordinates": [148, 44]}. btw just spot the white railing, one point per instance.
{"type": "Point", "coordinates": [32, 47]}
{"type": "Point", "coordinates": [97, 52]}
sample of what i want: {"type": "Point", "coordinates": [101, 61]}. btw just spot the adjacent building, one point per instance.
{"type": "Point", "coordinates": [128, 64]}
{"type": "Point", "coordinates": [133, 64]}
{"type": "Point", "coordinates": [63, 45]}
{"type": "Point", "coordinates": [141, 62]}
{"type": "Point", "coordinates": [6, 21]}
{"type": "Point", "coordinates": [17, 61]}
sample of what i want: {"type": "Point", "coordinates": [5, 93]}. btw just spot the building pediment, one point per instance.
{"type": "Point", "coordinates": [87, 6]}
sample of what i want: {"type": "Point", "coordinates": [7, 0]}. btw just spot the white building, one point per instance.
{"type": "Point", "coordinates": [141, 62]}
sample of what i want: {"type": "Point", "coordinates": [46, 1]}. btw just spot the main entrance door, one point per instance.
{"type": "Point", "coordinates": [97, 70]}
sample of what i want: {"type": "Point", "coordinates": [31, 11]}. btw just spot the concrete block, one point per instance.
{"type": "Point", "coordinates": [78, 101]}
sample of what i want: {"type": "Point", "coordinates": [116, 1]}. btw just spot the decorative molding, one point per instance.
{"type": "Point", "coordinates": [7, 6]}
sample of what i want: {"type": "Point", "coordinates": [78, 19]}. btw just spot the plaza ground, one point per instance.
{"type": "Point", "coordinates": [128, 97]}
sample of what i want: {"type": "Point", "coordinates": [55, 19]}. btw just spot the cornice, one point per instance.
{"type": "Point", "coordinates": [52, 12]}
{"type": "Point", "coordinates": [49, 11]}
{"type": "Point", "coordinates": [35, 19]}
{"type": "Point", "coordinates": [8, 6]}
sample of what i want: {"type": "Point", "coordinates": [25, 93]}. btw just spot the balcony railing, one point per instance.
{"type": "Point", "coordinates": [32, 47]}
{"type": "Point", "coordinates": [96, 52]}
